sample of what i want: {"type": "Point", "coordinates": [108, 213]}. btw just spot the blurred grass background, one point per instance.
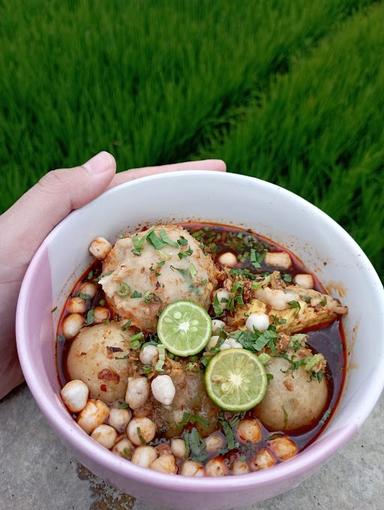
{"type": "Point", "coordinates": [288, 91]}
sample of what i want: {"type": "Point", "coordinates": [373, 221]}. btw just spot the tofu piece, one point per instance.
{"type": "Point", "coordinates": [295, 308]}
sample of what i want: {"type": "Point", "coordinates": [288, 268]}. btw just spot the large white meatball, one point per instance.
{"type": "Point", "coordinates": [146, 271]}
{"type": "Point", "coordinates": [94, 358]}
{"type": "Point", "coordinates": [293, 400]}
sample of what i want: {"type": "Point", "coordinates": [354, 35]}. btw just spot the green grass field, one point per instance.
{"type": "Point", "coordinates": [289, 91]}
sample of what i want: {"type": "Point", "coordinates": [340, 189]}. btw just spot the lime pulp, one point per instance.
{"type": "Point", "coordinates": [236, 380]}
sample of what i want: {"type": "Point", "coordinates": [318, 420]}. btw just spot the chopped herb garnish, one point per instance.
{"type": "Point", "coordinates": [54, 309]}
{"type": "Point", "coordinates": [90, 275]}
{"type": "Point", "coordinates": [124, 290]}
{"type": "Point", "coordinates": [256, 340]}
{"type": "Point", "coordinates": [192, 418]}
{"type": "Point", "coordinates": [136, 340]}
{"type": "Point", "coordinates": [150, 297]}
{"type": "Point", "coordinates": [122, 405]}
{"type": "Point", "coordinates": [166, 239]}
{"type": "Point", "coordinates": [142, 440]}
{"type": "Point", "coordinates": [246, 273]}
{"type": "Point", "coordinates": [156, 241]}
{"type": "Point", "coordinates": [186, 253]}
{"type": "Point", "coordinates": [294, 304]}
{"type": "Point", "coordinates": [287, 277]}
{"type": "Point", "coordinates": [147, 369]}
{"type": "Point", "coordinates": [285, 416]}
{"type": "Point", "coordinates": [195, 445]}
{"type": "Point", "coordinates": [90, 319]}
{"type": "Point", "coordinates": [277, 321]}
{"type": "Point", "coordinates": [84, 296]}
{"type": "Point", "coordinates": [269, 377]}
{"type": "Point", "coordinates": [182, 241]}
{"type": "Point", "coordinates": [297, 341]}
{"type": "Point", "coordinates": [217, 307]}
{"type": "Point", "coordinates": [317, 376]}
{"type": "Point", "coordinates": [160, 363]}
{"type": "Point", "coordinates": [136, 294]}
{"type": "Point", "coordinates": [126, 453]}
{"type": "Point", "coordinates": [323, 302]}
{"type": "Point", "coordinates": [126, 325]}
{"type": "Point", "coordinates": [188, 274]}
{"type": "Point", "coordinates": [228, 431]}
{"type": "Point", "coordinates": [138, 242]}
{"type": "Point", "coordinates": [102, 302]}
{"type": "Point", "coordinates": [256, 258]}
{"type": "Point", "coordinates": [137, 337]}
{"type": "Point", "coordinates": [193, 272]}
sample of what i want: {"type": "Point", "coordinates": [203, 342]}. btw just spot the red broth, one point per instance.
{"type": "Point", "coordinates": [329, 339]}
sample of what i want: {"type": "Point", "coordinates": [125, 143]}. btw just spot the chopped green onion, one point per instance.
{"type": "Point", "coordinates": [166, 239]}
{"type": "Point", "coordinates": [136, 294]}
{"type": "Point", "coordinates": [124, 290]}
{"type": "Point", "coordinates": [256, 258]}
{"type": "Point", "coordinates": [184, 254]}
{"type": "Point", "coordinates": [136, 340]}
{"type": "Point", "coordinates": [182, 241]}
{"type": "Point", "coordinates": [149, 297]}
{"type": "Point", "coordinates": [160, 363]}
{"type": "Point", "coordinates": [156, 241]}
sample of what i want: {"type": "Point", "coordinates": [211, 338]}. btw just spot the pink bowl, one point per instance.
{"type": "Point", "coordinates": [229, 198]}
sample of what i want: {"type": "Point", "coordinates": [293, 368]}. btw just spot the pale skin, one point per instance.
{"type": "Point", "coordinates": [25, 225]}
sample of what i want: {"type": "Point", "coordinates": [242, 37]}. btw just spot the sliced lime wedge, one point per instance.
{"type": "Point", "coordinates": [236, 380]}
{"type": "Point", "coordinates": [184, 328]}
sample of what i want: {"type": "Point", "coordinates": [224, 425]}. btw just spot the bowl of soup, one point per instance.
{"type": "Point", "coordinates": [202, 339]}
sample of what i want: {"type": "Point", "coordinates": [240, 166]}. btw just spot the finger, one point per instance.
{"type": "Point", "coordinates": [32, 217]}
{"type": "Point", "coordinates": [207, 164]}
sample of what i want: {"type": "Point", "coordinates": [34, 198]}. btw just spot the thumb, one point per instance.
{"type": "Point", "coordinates": [33, 216]}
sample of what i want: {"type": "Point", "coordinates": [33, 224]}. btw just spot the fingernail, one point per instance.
{"type": "Point", "coordinates": [100, 164]}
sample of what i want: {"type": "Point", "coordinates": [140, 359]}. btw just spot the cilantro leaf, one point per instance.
{"type": "Point", "coordinates": [196, 445]}
{"type": "Point", "coordinates": [294, 304]}
{"type": "Point", "coordinates": [138, 242]}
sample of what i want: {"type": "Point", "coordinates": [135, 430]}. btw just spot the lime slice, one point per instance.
{"type": "Point", "coordinates": [236, 380]}
{"type": "Point", "coordinates": [184, 328]}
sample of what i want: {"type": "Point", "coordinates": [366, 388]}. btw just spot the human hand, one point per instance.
{"type": "Point", "coordinates": [25, 225]}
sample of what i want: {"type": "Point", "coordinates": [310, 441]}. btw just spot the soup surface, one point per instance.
{"type": "Point", "coordinates": [200, 349]}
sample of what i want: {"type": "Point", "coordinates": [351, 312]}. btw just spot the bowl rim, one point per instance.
{"type": "Point", "coordinates": [302, 465]}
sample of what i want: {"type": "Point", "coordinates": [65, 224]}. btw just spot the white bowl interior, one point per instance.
{"type": "Point", "coordinates": [272, 211]}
